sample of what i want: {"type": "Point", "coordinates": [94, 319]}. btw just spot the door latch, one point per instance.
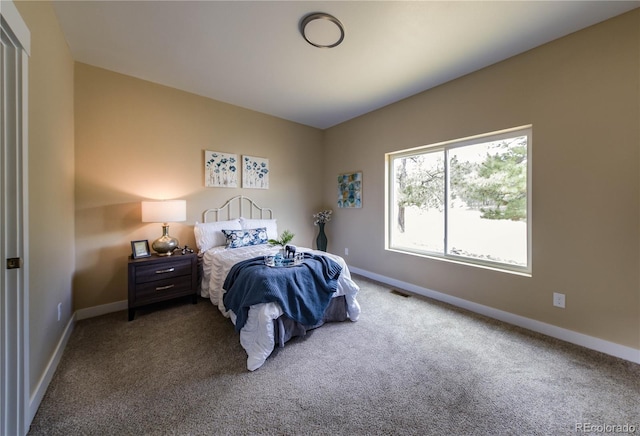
{"type": "Point", "coordinates": [14, 263]}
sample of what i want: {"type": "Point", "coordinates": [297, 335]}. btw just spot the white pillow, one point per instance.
{"type": "Point", "coordinates": [209, 235]}
{"type": "Point", "coordinates": [272, 227]}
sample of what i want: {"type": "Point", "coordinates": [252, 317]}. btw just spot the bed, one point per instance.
{"type": "Point", "coordinates": [232, 239]}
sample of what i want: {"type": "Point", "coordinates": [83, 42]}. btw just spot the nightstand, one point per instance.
{"type": "Point", "coordinates": [159, 278]}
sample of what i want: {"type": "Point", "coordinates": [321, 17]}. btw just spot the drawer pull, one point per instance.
{"type": "Point", "coordinates": [164, 271]}
{"type": "Point", "coordinates": [162, 288]}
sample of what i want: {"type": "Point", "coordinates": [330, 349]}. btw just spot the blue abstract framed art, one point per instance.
{"type": "Point", "coordinates": [350, 190]}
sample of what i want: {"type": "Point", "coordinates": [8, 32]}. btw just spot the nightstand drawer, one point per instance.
{"type": "Point", "coordinates": [162, 289]}
{"type": "Point", "coordinates": [159, 271]}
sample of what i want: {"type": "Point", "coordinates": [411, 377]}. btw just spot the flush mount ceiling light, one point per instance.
{"type": "Point", "coordinates": [322, 30]}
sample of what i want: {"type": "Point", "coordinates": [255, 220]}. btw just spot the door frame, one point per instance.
{"type": "Point", "coordinates": [14, 313]}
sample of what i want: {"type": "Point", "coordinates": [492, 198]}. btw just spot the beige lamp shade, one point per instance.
{"type": "Point", "coordinates": [170, 211]}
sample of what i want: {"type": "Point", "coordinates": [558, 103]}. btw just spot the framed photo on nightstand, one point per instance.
{"type": "Point", "coordinates": [140, 249]}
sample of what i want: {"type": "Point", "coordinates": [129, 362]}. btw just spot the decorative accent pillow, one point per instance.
{"type": "Point", "coordinates": [270, 224]}
{"type": "Point", "coordinates": [209, 235]}
{"type": "Point", "coordinates": [243, 238]}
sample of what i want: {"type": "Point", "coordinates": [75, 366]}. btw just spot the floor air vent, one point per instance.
{"type": "Point", "coordinates": [400, 293]}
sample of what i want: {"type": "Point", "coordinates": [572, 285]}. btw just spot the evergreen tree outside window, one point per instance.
{"type": "Point", "coordinates": [466, 200]}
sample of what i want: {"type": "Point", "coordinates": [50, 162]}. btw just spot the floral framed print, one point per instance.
{"type": "Point", "coordinates": [220, 169]}
{"type": "Point", "coordinates": [255, 172]}
{"type": "Point", "coordinates": [350, 190]}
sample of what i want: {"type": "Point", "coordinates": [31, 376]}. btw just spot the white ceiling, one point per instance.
{"type": "Point", "coordinates": [251, 54]}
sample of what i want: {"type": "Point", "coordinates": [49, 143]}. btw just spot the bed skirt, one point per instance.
{"type": "Point", "coordinates": [285, 328]}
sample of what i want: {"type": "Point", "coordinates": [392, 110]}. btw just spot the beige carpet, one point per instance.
{"type": "Point", "coordinates": [409, 366]}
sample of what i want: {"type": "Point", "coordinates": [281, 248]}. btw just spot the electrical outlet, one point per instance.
{"type": "Point", "coordinates": [558, 300]}
{"type": "Point", "coordinates": [59, 311]}
{"type": "Point", "coordinates": [346, 251]}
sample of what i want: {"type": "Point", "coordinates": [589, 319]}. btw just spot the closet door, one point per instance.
{"type": "Point", "coordinates": [13, 222]}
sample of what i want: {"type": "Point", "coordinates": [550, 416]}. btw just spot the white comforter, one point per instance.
{"type": "Point", "coordinates": [257, 336]}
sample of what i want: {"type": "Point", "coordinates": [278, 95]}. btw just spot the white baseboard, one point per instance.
{"type": "Point", "coordinates": [607, 347]}
{"type": "Point", "coordinates": [91, 312]}
{"type": "Point", "coordinates": [47, 375]}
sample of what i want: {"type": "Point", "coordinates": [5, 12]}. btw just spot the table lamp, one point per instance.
{"type": "Point", "coordinates": [164, 212]}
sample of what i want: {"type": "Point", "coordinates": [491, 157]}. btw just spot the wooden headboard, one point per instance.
{"type": "Point", "coordinates": [236, 207]}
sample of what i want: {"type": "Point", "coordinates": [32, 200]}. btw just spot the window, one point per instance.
{"type": "Point", "coordinates": [466, 200]}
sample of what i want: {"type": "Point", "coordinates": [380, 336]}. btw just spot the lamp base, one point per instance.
{"type": "Point", "coordinates": [165, 244]}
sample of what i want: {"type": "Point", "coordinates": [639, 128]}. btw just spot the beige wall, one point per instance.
{"type": "Point", "coordinates": [581, 94]}
{"type": "Point", "coordinates": [51, 175]}
{"type": "Point", "coordinates": [137, 140]}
